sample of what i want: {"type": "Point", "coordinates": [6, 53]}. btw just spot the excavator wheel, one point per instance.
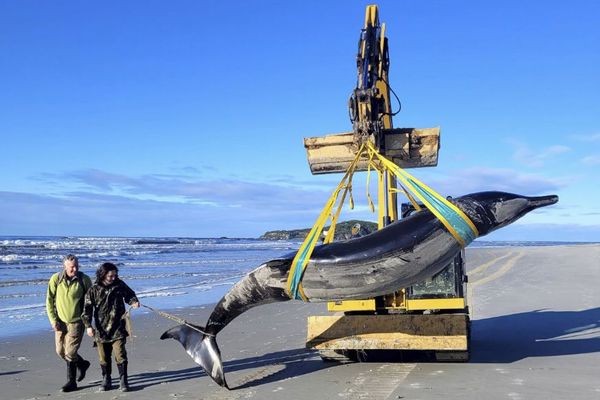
{"type": "Point", "coordinates": [452, 356]}
{"type": "Point", "coordinates": [339, 356]}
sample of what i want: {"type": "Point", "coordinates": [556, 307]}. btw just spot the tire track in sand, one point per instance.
{"type": "Point", "coordinates": [377, 383]}
{"type": "Point", "coordinates": [483, 267]}
{"type": "Point", "coordinates": [507, 266]}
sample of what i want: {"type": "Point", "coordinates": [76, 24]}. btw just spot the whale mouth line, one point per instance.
{"type": "Point", "coordinates": [542, 201]}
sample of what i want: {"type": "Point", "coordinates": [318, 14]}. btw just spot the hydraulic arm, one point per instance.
{"type": "Point", "coordinates": [370, 110]}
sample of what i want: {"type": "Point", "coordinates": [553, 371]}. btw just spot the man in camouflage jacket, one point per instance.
{"type": "Point", "coordinates": [105, 304]}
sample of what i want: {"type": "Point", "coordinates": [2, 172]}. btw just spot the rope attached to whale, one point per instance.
{"type": "Point", "coordinates": [180, 321]}
{"type": "Point", "coordinates": [455, 221]}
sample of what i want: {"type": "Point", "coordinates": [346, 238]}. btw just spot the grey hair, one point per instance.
{"type": "Point", "coordinates": [71, 257]}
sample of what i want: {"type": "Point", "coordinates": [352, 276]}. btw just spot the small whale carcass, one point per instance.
{"type": "Point", "coordinates": [401, 254]}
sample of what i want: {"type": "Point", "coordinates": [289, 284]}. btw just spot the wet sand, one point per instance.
{"type": "Point", "coordinates": [535, 335]}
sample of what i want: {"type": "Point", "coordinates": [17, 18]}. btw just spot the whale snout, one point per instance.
{"type": "Point", "coordinates": [542, 201]}
{"type": "Point", "coordinates": [493, 210]}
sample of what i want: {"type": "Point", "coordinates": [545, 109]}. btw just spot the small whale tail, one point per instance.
{"type": "Point", "coordinates": [202, 348]}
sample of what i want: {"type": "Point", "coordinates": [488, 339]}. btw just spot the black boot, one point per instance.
{"type": "Point", "coordinates": [82, 367]}
{"type": "Point", "coordinates": [123, 376]}
{"type": "Point", "coordinates": [106, 380]}
{"type": "Point", "coordinates": [71, 372]}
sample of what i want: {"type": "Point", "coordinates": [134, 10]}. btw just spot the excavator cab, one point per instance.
{"type": "Point", "coordinates": [449, 283]}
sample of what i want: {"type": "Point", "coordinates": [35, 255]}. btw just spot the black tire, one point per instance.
{"type": "Point", "coordinates": [339, 356]}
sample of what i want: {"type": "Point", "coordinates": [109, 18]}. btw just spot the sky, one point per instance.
{"type": "Point", "coordinates": [187, 118]}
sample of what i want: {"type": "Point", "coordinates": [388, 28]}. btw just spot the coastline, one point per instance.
{"type": "Point", "coordinates": [168, 277]}
{"type": "Point", "coordinates": [535, 314]}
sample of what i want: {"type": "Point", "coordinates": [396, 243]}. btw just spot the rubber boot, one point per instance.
{"type": "Point", "coordinates": [106, 380]}
{"type": "Point", "coordinates": [124, 386]}
{"type": "Point", "coordinates": [71, 384]}
{"type": "Point", "coordinates": [82, 367]}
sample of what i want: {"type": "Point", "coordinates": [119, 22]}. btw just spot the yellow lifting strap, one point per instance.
{"type": "Point", "coordinates": [457, 223]}
{"type": "Point", "coordinates": [294, 283]}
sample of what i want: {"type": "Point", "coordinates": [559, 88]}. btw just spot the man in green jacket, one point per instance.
{"type": "Point", "coordinates": [64, 305]}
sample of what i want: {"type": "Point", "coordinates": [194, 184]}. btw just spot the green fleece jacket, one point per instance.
{"type": "Point", "coordinates": [64, 297]}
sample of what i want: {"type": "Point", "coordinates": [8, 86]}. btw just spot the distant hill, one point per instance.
{"type": "Point", "coordinates": [343, 231]}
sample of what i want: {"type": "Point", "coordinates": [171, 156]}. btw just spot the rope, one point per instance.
{"type": "Point", "coordinates": [180, 321]}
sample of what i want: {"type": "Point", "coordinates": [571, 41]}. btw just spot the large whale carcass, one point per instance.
{"type": "Point", "coordinates": [399, 255]}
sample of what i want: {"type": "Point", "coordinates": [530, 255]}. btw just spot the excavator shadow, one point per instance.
{"type": "Point", "coordinates": [538, 333]}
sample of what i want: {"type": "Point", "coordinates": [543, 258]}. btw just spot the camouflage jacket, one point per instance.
{"type": "Point", "coordinates": [106, 304]}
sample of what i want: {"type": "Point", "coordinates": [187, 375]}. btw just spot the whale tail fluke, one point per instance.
{"type": "Point", "coordinates": [202, 348]}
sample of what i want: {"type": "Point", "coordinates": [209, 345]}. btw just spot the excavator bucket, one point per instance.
{"type": "Point", "coordinates": [405, 147]}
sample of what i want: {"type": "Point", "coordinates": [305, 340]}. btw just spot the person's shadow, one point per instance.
{"type": "Point", "coordinates": [20, 371]}
{"type": "Point", "coordinates": [538, 333]}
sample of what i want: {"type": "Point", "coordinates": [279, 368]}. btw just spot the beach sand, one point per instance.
{"type": "Point", "coordinates": [535, 335]}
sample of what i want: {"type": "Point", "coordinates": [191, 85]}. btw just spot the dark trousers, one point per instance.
{"type": "Point", "coordinates": [117, 348]}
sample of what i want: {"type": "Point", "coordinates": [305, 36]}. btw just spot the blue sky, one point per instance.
{"type": "Point", "coordinates": [148, 118]}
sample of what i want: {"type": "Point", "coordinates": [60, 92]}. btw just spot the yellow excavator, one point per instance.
{"type": "Point", "coordinates": [431, 316]}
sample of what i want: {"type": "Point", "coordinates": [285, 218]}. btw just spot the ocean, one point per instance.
{"type": "Point", "coordinates": [166, 273]}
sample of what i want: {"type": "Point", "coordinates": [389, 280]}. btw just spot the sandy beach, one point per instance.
{"type": "Point", "coordinates": [535, 335]}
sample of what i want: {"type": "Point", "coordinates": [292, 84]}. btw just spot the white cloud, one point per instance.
{"type": "Point", "coordinates": [97, 214]}
{"type": "Point", "coordinates": [537, 157]}
{"type": "Point", "coordinates": [98, 202]}
{"type": "Point", "coordinates": [497, 179]}
{"type": "Point", "coordinates": [224, 192]}
{"type": "Point", "coordinates": [591, 161]}
{"type": "Point", "coordinates": [93, 214]}
{"type": "Point", "coordinates": [593, 137]}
